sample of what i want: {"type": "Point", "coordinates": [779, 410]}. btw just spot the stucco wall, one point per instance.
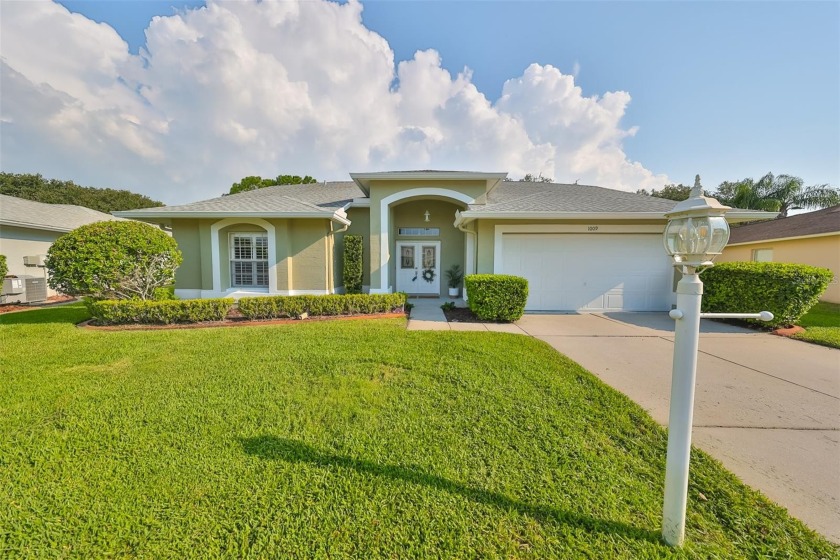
{"type": "Point", "coordinates": [310, 258]}
{"type": "Point", "coordinates": [814, 251]}
{"type": "Point", "coordinates": [17, 242]}
{"type": "Point", "coordinates": [302, 252]}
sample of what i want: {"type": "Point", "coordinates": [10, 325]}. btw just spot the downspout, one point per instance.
{"type": "Point", "coordinates": [461, 224]}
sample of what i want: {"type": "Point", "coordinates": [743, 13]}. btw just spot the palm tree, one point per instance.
{"type": "Point", "coordinates": [779, 193]}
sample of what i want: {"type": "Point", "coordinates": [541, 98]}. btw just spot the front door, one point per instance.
{"type": "Point", "coordinates": [418, 267]}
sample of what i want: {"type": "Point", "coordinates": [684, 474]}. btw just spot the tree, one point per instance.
{"type": "Point", "coordinates": [113, 259]}
{"type": "Point", "coordinates": [254, 182]}
{"type": "Point", "coordinates": [4, 267]}
{"type": "Point", "coordinates": [531, 178]}
{"type": "Point", "coordinates": [671, 192]}
{"type": "Point", "coordinates": [779, 193]}
{"type": "Point", "coordinates": [53, 191]}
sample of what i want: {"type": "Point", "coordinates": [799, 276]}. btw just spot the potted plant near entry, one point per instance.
{"type": "Point", "coordinates": [454, 276]}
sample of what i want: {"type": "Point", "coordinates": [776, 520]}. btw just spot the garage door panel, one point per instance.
{"type": "Point", "coordinates": [603, 272]}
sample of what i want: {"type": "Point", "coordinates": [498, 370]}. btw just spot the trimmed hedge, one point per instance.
{"type": "Point", "coordinates": [273, 307]}
{"type": "Point", "coordinates": [122, 312]}
{"type": "Point", "coordinates": [352, 272]}
{"type": "Point", "coordinates": [496, 297]}
{"type": "Point", "coordinates": [786, 290]}
{"type": "Point", "coordinates": [4, 268]}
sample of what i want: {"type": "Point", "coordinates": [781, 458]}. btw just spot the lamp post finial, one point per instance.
{"type": "Point", "coordinates": [697, 189]}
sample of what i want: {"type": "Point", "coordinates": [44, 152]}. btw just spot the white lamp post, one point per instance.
{"type": "Point", "coordinates": [696, 233]}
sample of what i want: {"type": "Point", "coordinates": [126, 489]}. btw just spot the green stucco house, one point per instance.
{"type": "Point", "coordinates": [582, 248]}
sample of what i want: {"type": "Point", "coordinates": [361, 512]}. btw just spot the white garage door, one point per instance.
{"type": "Point", "coordinates": [595, 272]}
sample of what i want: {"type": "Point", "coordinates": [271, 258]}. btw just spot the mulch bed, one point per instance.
{"type": "Point", "coordinates": [233, 321]}
{"type": "Point", "coordinates": [461, 315]}
{"type": "Point", "coordinates": [9, 307]}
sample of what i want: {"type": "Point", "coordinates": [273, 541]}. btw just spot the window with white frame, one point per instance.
{"type": "Point", "coordinates": [249, 260]}
{"type": "Point", "coordinates": [762, 255]}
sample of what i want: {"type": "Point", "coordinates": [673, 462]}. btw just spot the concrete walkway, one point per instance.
{"type": "Point", "coordinates": [767, 407]}
{"type": "Point", "coordinates": [427, 315]}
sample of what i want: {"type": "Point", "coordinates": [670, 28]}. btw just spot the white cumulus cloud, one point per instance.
{"type": "Point", "coordinates": [243, 88]}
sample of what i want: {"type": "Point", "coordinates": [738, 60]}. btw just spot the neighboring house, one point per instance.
{"type": "Point", "coordinates": [812, 238]}
{"type": "Point", "coordinates": [581, 248]}
{"type": "Point", "coordinates": [28, 229]}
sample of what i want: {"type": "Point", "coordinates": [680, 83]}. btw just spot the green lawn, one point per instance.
{"type": "Point", "coordinates": [822, 325]}
{"type": "Point", "coordinates": [340, 439]}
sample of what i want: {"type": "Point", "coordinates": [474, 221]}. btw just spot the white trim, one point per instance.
{"type": "Point", "coordinates": [215, 251]}
{"type": "Point", "coordinates": [384, 224]}
{"type": "Point", "coordinates": [731, 216]}
{"type": "Point", "coordinates": [361, 202]}
{"type": "Point", "coordinates": [474, 215]}
{"type": "Point", "coordinates": [775, 239]}
{"type": "Point", "coordinates": [500, 230]}
{"type": "Point", "coordinates": [187, 293]}
{"type": "Point", "coordinates": [164, 215]}
{"type": "Point", "coordinates": [363, 179]}
{"type": "Point", "coordinates": [237, 293]}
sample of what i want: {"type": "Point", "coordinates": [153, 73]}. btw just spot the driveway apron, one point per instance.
{"type": "Point", "coordinates": [767, 407]}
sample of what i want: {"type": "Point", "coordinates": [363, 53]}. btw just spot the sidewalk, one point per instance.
{"type": "Point", "coordinates": [428, 316]}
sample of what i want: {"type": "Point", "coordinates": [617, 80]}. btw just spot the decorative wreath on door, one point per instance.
{"type": "Point", "coordinates": [429, 275]}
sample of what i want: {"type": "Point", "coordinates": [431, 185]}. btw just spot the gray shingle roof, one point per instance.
{"type": "Point", "coordinates": [315, 197]}
{"type": "Point", "coordinates": [54, 217]}
{"type": "Point", "coordinates": [521, 196]}
{"type": "Point", "coordinates": [811, 223]}
{"type": "Point", "coordinates": [509, 197]}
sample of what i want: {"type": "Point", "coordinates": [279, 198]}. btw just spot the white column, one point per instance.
{"type": "Point", "coordinates": [683, 378]}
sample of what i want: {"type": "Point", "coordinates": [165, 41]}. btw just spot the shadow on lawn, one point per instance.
{"type": "Point", "coordinates": [67, 313]}
{"type": "Point", "coordinates": [276, 448]}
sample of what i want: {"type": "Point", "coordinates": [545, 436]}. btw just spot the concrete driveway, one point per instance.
{"type": "Point", "coordinates": [767, 407]}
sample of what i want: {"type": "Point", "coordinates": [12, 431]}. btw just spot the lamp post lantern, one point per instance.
{"type": "Point", "coordinates": [696, 233]}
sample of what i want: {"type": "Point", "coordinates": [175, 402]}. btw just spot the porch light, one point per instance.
{"type": "Point", "coordinates": [696, 232]}
{"type": "Point", "coordinates": [426, 215]}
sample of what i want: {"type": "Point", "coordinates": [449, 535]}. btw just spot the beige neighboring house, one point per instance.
{"type": "Point", "coordinates": [582, 248]}
{"type": "Point", "coordinates": [28, 229]}
{"type": "Point", "coordinates": [812, 238]}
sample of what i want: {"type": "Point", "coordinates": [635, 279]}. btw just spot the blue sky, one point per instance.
{"type": "Point", "coordinates": [725, 89]}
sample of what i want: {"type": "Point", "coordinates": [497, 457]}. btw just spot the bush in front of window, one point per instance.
{"type": "Point", "coordinates": [496, 297]}
{"type": "Point", "coordinates": [353, 264]}
{"type": "Point", "coordinates": [164, 312]}
{"type": "Point", "coordinates": [277, 307]}
{"type": "Point", "coordinates": [786, 290]}
{"type": "Point", "coordinates": [113, 260]}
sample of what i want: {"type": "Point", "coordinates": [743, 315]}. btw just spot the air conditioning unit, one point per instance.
{"type": "Point", "coordinates": [35, 260]}
{"type": "Point", "coordinates": [14, 290]}
{"type": "Point", "coordinates": [36, 288]}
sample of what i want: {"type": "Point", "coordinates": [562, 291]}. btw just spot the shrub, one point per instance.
{"type": "Point", "coordinates": [273, 307]}
{"type": "Point", "coordinates": [496, 297]}
{"type": "Point", "coordinates": [353, 264]}
{"type": "Point", "coordinates": [4, 267]}
{"type": "Point", "coordinates": [786, 290]}
{"type": "Point", "coordinates": [113, 260]}
{"type": "Point", "coordinates": [121, 312]}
